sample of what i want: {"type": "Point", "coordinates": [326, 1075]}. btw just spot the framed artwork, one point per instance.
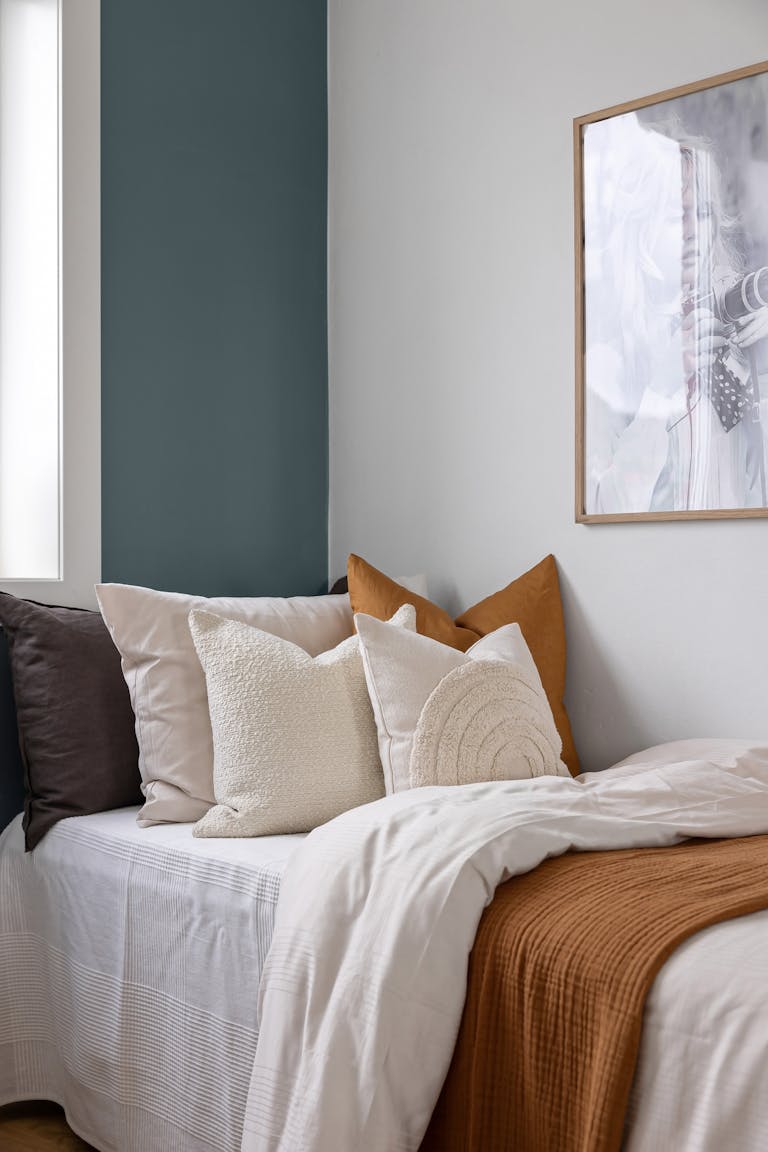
{"type": "Point", "coordinates": [672, 304]}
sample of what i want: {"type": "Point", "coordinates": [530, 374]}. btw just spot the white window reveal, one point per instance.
{"type": "Point", "coordinates": [49, 298]}
{"type": "Point", "coordinates": [29, 290]}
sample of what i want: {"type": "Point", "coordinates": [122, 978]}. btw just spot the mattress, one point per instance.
{"type": "Point", "coordinates": [130, 961]}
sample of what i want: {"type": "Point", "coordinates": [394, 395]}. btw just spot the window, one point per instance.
{"type": "Point", "coordinates": [49, 298]}
{"type": "Point", "coordinates": [29, 289]}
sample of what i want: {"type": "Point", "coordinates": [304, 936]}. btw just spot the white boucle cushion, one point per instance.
{"type": "Point", "coordinates": [449, 717]}
{"type": "Point", "coordinates": [167, 685]}
{"type": "Point", "coordinates": [294, 737]}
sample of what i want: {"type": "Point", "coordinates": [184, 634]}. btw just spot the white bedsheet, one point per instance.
{"type": "Point", "coordinates": [362, 993]}
{"type": "Point", "coordinates": [702, 1078]}
{"type": "Point", "coordinates": [129, 966]}
{"type": "Point", "coordinates": [130, 961]}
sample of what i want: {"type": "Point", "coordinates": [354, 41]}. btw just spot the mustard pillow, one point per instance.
{"type": "Point", "coordinates": [532, 601]}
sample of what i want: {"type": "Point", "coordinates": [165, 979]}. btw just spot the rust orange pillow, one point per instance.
{"type": "Point", "coordinates": [532, 601]}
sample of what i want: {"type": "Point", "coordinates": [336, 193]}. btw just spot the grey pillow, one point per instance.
{"type": "Point", "coordinates": [75, 721]}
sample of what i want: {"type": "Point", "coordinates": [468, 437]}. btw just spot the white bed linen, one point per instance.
{"type": "Point", "coordinates": [363, 989]}
{"type": "Point", "coordinates": [140, 1068]}
{"type": "Point", "coordinates": [130, 960]}
{"type": "Point", "coordinates": [702, 1078]}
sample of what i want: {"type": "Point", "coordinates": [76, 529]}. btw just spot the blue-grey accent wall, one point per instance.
{"type": "Point", "coordinates": [214, 354]}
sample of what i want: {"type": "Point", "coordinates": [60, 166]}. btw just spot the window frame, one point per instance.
{"type": "Point", "coordinates": [79, 312]}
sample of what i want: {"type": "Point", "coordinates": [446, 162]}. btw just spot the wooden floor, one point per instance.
{"type": "Point", "coordinates": [37, 1127]}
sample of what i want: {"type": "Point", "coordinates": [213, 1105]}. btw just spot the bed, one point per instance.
{"type": "Point", "coordinates": [130, 961]}
{"type": "Point", "coordinates": [302, 993]}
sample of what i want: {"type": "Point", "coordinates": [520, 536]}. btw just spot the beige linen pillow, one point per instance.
{"type": "Point", "coordinates": [167, 685]}
{"type": "Point", "coordinates": [294, 736]}
{"type": "Point", "coordinates": [450, 717]}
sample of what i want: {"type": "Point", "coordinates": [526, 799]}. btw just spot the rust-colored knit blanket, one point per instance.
{"type": "Point", "coordinates": [563, 961]}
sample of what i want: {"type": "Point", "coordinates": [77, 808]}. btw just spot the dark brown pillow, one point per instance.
{"type": "Point", "coordinates": [76, 724]}
{"type": "Point", "coordinates": [11, 770]}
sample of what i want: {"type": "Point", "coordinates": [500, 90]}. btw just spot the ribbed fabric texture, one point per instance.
{"type": "Point", "coordinates": [563, 961]}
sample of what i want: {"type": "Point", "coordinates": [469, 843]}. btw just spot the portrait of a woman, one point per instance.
{"type": "Point", "coordinates": [676, 304]}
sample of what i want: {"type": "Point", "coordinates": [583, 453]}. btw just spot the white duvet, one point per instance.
{"type": "Point", "coordinates": [364, 985]}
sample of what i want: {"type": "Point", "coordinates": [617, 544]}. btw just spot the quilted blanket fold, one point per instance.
{"type": "Point", "coordinates": [563, 961]}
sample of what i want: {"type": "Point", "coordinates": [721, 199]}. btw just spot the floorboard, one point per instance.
{"type": "Point", "coordinates": [37, 1126]}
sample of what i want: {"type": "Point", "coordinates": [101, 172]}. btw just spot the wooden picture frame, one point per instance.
{"type": "Point", "coordinates": [672, 304]}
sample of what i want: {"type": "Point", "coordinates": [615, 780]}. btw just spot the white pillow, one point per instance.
{"type": "Point", "coordinates": [449, 717]}
{"type": "Point", "coordinates": [294, 737]}
{"type": "Point", "coordinates": [727, 753]}
{"type": "Point", "coordinates": [416, 584]}
{"type": "Point", "coordinates": [167, 685]}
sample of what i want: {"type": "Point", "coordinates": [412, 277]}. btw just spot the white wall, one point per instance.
{"type": "Point", "coordinates": [451, 343]}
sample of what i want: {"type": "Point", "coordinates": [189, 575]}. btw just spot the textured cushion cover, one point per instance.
{"type": "Point", "coordinates": [294, 737]}
{"type": "Point", "coordinates": [532, 601]}
{"type": "Point", "coordinates": [76, 727]}
{"type": "Point", "coordinates": [167, 684]}
{"type": "Point", "coordinates": [449, 717]}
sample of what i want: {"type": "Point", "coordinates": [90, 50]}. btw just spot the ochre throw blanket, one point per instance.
{"type": "Point", "coordinates": [562, 964]}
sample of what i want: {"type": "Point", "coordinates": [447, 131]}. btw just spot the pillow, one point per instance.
{"type": "Point", "coordinates": [415, 584]}
{"type": "Point", "coordinates": [532, 601]}
{"type": "Point", "coordinates": [74, 714]}
{"type": "Point", "coordinates": [294, 737]}
{"type": "Point", "coordinates": [727, 753]}
{"type": "Point", "coordinates": [450, 717]}
{"type": "Point", "coordinates": [11, 767]}
{"type": "Point", "coordinates": [167, 685]}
